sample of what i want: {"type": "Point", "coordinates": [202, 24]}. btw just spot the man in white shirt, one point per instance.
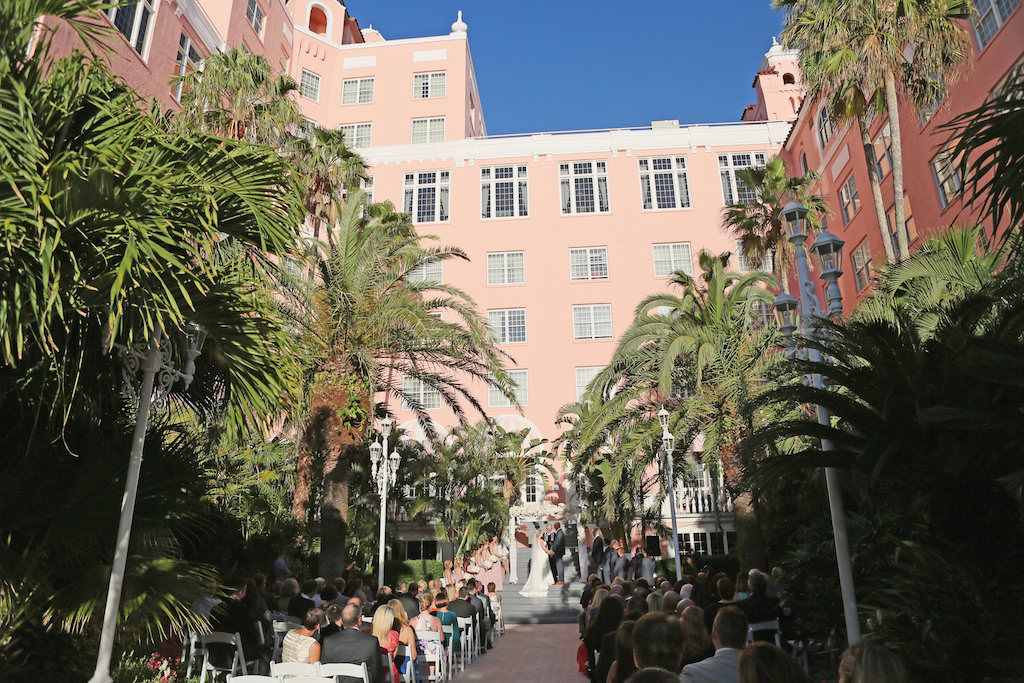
{"type": "Point", "coordinates": [729, 634]}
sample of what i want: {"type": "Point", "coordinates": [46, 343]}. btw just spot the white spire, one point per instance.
{"type": "Point", "coordinates": [459, 27]}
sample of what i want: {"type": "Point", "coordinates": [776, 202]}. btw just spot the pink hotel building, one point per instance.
{"type": "Point", "coordinates": [566, 231]}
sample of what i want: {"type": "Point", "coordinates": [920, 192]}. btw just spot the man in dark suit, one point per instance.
{"type": "Point", "coordinates": [409, 600]}
{"type": "Point", "coordinates": [572, 544]}
{"type": "Point", "coordinates": [759, 606]}
{"type": "Point", "coordinates": [478, 598]}
{"type": "Point", "coordinates": [352, 646]}
{"type": "Point", "coordinates": [462, 607]}
{"type": "Point", "coordinates": [597, 552]}
{"type": "Point", "coordinates": [646, 567]}
{"type": "Point", "coordinates": [549, 539]}
{"type": "Point", "coordinates": [303, 602]}
{"type": "Point", "coordinates": [621, 564]}
{"type": "Point", "coordinates": [557, 552]}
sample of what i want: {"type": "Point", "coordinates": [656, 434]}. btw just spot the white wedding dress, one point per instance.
{"type": "Point", "coordinates": [540, 571]}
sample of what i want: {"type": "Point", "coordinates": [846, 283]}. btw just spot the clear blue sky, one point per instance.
{"type": "Point", "coordinates": [570, 64]}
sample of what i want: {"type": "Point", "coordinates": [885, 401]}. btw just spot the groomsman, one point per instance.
{"type": "Point", "coordinates": [597, 552]}
{"type": "Point", "coordinates": [622, 564]}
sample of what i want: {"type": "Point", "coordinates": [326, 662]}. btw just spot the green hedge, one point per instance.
{"type": "Point", "coordinates": [411, 570]}
{"type": "Point", "coordinates": [729, 564]}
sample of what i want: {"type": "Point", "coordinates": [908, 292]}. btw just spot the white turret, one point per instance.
{"type": "Point", "coordinates": [460, 27]}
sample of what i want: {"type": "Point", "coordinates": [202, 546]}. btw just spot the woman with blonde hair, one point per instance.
{"type": "Point", "coordinates": [696, 644]}
{"type": "Point", "coordinates": [406, 635]}
{"type": "Point", "coordinates": [383, 620]}
{"type": "Point", "coordinates": [427, 621]}
{"type": "Point", "coordinates": [595, 602]}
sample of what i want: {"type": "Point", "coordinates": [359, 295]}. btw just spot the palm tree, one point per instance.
{"type": "Point", "coordinates": [758, 223]}
{"type": "Point", "coordinates": [326, 167]}
{"type": "Point", "coordinates": [883, 46]}
{"type": "Point", "coordinates": [369, 326]}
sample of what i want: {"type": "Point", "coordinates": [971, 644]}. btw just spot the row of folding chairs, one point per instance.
{"type": "Point", "coordinates": [291, 672]}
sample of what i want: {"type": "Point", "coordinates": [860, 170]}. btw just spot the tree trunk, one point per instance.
{"type": "Point", "coordinates": [876, 189]}
{"type": "Point", "coordinates": [892, 107]}
{"type": "Point", "coordinates": [779, 270]}
{"type": "Point", "coordinates": [749, 540]}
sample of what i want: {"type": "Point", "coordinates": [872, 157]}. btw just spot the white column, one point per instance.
{"type": "Point", "coordinates": [513, 575]}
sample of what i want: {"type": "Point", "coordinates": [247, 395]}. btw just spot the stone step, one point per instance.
{"type": "Point", "coordinates": [561, 606]}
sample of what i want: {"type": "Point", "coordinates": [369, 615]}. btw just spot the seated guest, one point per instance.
{"type": "Point", "coordinates": [233, 616]}
{"type": "Point", "coordinates": [332, 615]}
{"type": "Point", "coordinates": [352, 646]}
{"type": "Point", "coordinates": [425, 621]}
{"type": "Point", "coordinates": [697, 645]}
{"type": "Point", "coordinates": [653, 675]}
{"type": "Point", "coordinates": [447, 618]}
{"type": "Point", "coordinates": [339, 585]}
{"type": "Point", "coordinates": [729, 634]}
{"type": "Point", "coordinates": [759, 606]}
{"type": "Point", "coordinates": [300, 644]}
{"type": "Point", "coordinates": [303, 602]}
{"type": "Point", "coordinates": [870, 664]}
{"type": "Point", "coordinates": [383, 620]}
{"type": "Point", "coordinates": [657, 642]}
{"type": "Point", "coordinates": [609, 616]}
{"type": "Point", "coordinates": [288, 589]}
{"type": "Point", "coordinates": [494, 595]}
{"type": "Point", "coordinates": [406, 636]}
{"type": "Point", "coordinates": [464, 608]}
{"type": "Point", "coordinates": [766, 663]}
{"type": "Point", "coordinates": [409, 599]}
{"type": "Point", "coordinates": [668, 604]}
{"type": "Point", "coordinates": [726, 596]}
{"type": "Point", "coordinates": [624, 664]}
{"type": "Point", "coordinates": [608, 654]}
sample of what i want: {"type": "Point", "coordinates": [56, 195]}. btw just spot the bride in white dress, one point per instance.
{"type": "Point", "coordinates": [540, 571]}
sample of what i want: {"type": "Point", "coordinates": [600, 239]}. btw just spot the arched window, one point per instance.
{"type": "Point", "coordinates": [788, 79]}
{"type": "Point", "coordinates": [803, 162]}
{"type": "Point", "coordinates": [825, 128]}
{"type": "Point", "coordinates": [318, 21]}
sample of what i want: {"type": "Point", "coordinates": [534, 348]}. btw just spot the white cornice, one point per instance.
{"type": "Point", "coordinates": [200, 23]}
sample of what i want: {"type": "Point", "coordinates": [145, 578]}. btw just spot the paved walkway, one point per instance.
{"type": "Point", "coordinates": [530, 653]}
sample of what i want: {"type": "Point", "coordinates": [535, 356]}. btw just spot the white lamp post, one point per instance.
{"type": "Point", "coordinates": [385, 471]}
{"type": "Point", "coordinates": [829, 250]}
{"type": "Point", "coordinates": [668, 444]}
{"type": "Point", "coordinates": [156, 361]}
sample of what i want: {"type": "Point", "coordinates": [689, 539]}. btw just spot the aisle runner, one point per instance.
{"type": "Point", "coordinates": [534, 653]}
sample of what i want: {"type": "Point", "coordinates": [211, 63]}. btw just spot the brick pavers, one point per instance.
{"type": "Point", "coordinates": [530, 653]}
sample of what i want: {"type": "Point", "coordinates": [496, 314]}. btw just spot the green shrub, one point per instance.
{"type": "Point", "coordinates": [411, 570]}
{"type": "Point", "coordinates": [712, 564]}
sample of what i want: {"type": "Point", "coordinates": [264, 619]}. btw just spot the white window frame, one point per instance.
{"type": "Point", "coordinates": [679, 257]}
{"type": "Point", "coordinates": [574, 178]}
{"type": "Point", "coordinates": [884, 141]}
{"type": "Point", "coordinates": [507, 325]}
{"type": "Point", "coordinates": [586, 316]}
{"type": "Point", "coordinates": [825, 128]}
{"type": "Point", "coordinates": [306, 85]}
{"type": "Point", "coordinates": [849, 199]}
{"type": "Point", "coordinates": [428, 397]}
{"type": "Point", "coordinates": [743, 264]}
{"type": "Point", "coordinates": [513, 183]}
{"type": "Point", "coordinates": [667, 174]}
{"type": "Point", "coordinates": [533, 487]}
{"type": "Point", "coordinates": [357, 134]}
{"type": "Point", "coordinates": [427, 272]}
{"type": "Point", "coordinates": [584, 376]}
{"type": "Point", "coordinates": [860, 259]}
{"type": "Point", "coordinates": [416, 200]}
{"type": "Point", "coordinates": [255, 16]}
{"type": "Point", "coordinates": [358, 90]}
{"type": "Point", "coordinates": [947, 176]}
{"type": "Point", "coordinates": [189, 59]}
{"type": "Point", "coordinates": [588, 263]}
{"type": "Point", "coordinates": [432, 130]}
{"type": "Point", "coordinates": [141, 18]}
{"type": "Point", "coordinates": [734, 191]}
{"type": "Point", "coordinates": [501, 269]}
{"type": "Point", "coordinates": [996, 10]}
{"type": "Point", "coordinates": [521, 379]}
{"type": "Point", "coordinates": [429, 85]}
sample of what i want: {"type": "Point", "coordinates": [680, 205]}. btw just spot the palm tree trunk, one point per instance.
{"type": "Point", "coordinates": [892, 107]}
{"type": "Point", "coordinates": [780, 272]}
{"type": "Point", "coordinates": [876, 188]}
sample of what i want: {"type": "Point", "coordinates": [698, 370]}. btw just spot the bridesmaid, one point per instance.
{"type": "Point", "coordinates": [448, 574]}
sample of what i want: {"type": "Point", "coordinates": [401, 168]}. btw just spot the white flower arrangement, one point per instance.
{"type": "Point", "coordinates": [538, 510]}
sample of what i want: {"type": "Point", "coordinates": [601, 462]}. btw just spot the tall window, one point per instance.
{"type": "Point", "coordinates": [503, 192]}
{"type": "Point", "coordinates": [309, 85]}
{"type": "Point", "coordinates": [506, 268]}
{"type": "Point", "coordinates": [357, 91]}
{"type": "Point", "coordinates": [533, 488]}
{"type": "Point", "coordinates": [427, 196]}
{"type": "Point", "coordinates": [947, 176]}
{"type": "Point", "coordinates": [861, 260]}
{"type": "Point", "coordinates": [909, 225]}
{"type": "Point", "coordinates": [508, 325]}
{"type": "Point", "coordinates": [849, 200]}
{"type": "Point", "coordinates": [428, 272]}
{"type": "Point", "coordinates": [584, 376]}
{"type": "Point", "coordinates": [187, 61]}
{"type": "Point", "coordinates": [734, 190]}
{"type": "Point", "coordinates": [593, 321]}
{"type": "Point", "coordinates": [357, 134]}
{"type": "Point", "coordinates": [584, 186]}
{"type": "Point", "coordinates": [882, 145]}
{"type": "Point", "coordinates": [749, 265]}
{"type": "Point", "coordinates": [663, 183]}
{"type": "Point", "coordinates": [133, 19]}
{"type": "Point", "coordinates": [826, 128]}
{"type": "Point", "coordinates": [521, 380]}
{"type": "Point", "coordinates": [428, 130]}
{"type": "Point", "coordinates": [668, 258]}
{"type": "Point", "coordinates": [588, 263]}
{"type": "Point", "coordinates": [428, 85]}
{"type": "Point", "coordinates": [415, 391]}
{"type": "Point", "coordinates": [991, 15]}
{"type": "Point", "coordinates": [254, 13]}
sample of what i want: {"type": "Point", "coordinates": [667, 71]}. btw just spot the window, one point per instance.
{"type": "Point", "coordinates": [826, 128]}
{"type": "Point", "coordinates": [521, 381]}
{"type": "Point", "coordinates": [748, 265]}
{"type": "Point", "coordinates": [580, 181]}
{"type": "Point", "coordinates": [803, 162]}
{"type": "Point", "coordinates": [357, 134]}
{"type": "Point", "coordinates": [910, 227]}
{"type": "Point", "coordinates": [427, 196]}
{"type": "Point", "coordinates": [309, 85]}
{"type": "Point", "coordinates": [849, 201]}
{"type": "Point", "coordinates": [991, 15]}
{"type": "Point", "coordinates": [427, 272]}
{"type": "Point", "coordinates": [592, 322]}
{"type": "Point", "coordinates": [700, 543]}
{"type": "Point", "coordinates": [584, 376]}
{"type": "Point", "coordinates": [428, 130]}
{"type": "Point", "coordinates": [861, 260]}
{"type": "Point", "coordinates": [947, 176]}
{"type": "Point", "coordinates": [414, 391]}
{"type": "Point", "coordinates": [663, 183]}
{"type": "Point", "coordinates": [357, 91]}
{"type": "Point", "coordinates": [132, 19]}
{"type": "Point", "coordinates": [588, 263]}
{"type": "Point", "coordinates": [503, 192]}
{"type": "Point", "coordinates": [421, 550]}
{"type": "Point", "coordinates": [533, 488]}
{"type": "Point", "coordinates": [668, 258]}
{"type": "Point", "coordinates": [508, 325]}
{"type": "Point", "coordinates": [254, 14]}
{"type": "Point", "coordinates": [734, 190]}
{"type": "Point", "coordinates": [317, 21]}
{"type": "Point", "coordinates": [882, 145]}
{"type": "Point", "coordinates": [428, 85]}
{"type": "Point", "coordinates": [506, 268]}
{"type": "Point", "coordinates": [187, 61]}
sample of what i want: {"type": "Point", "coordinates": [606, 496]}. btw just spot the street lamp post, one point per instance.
{"type": "Point", "coordinates": [156, 361]}
{"type": "Point", "coordinates": [668, 443]}
{"type": "Point", "coordinates": [385, 471]}
{"type": "Point", "coordinates": [829, 249]}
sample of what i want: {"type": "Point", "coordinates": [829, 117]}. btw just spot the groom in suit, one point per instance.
{"type": "Point", "coordinates": [597, 555]}
{"type": "Point", "coordinates": [549, 539]}
{"type": "Point", "coordinates": [557, 550]}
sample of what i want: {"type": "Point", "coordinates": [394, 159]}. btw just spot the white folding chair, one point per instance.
{"type": "Point", "coordinates": [403, 653]}
{"type": "Point", "coordinates": [281, 629]}
{"type": "Point", "coordinates": [769, 625]}
{"type": "Point", "coordinates": [193, 652]}
{"type": "Point", "coordinates": [310, 679]}
{"type": "Point", "coordinates": [282, 669]}
{"type": "Point", "coordinates": [332, 672]}
{"type": "Point", "coordinates": [466, 643]}
{"type": "Point", "coordinates": [387, 664]}
{"type": "Point", "coordinates": [252, 678]}
{"type": "Point", "coordinates": [442, 670]}
{"type": "Point", "coordinates": [232, 640]}
{"type": "Point", "coordinates": [449, 631]}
